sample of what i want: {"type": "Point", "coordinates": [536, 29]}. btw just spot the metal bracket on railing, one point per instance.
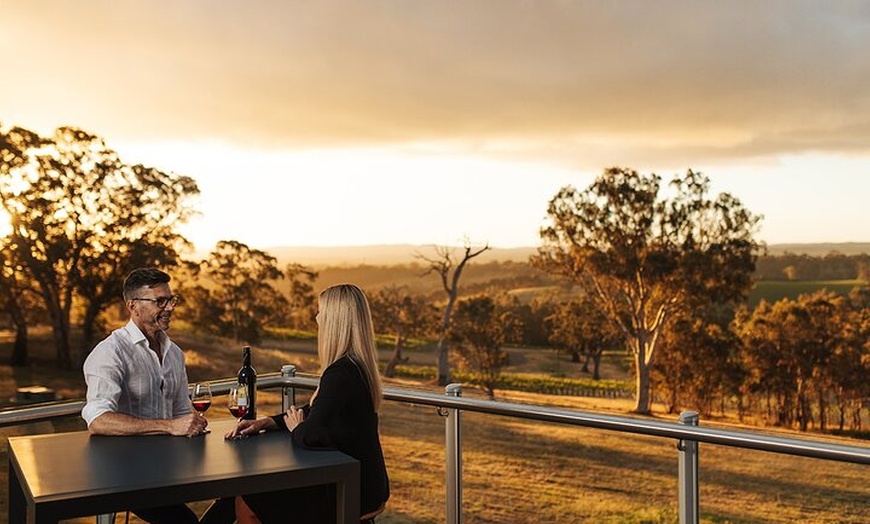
{"type": "Point", "coordinates": [442, 411]}
{"type": "Point", "coordinates": [688, 475]}
{"type": "Point", "coordinates": [288, 394]}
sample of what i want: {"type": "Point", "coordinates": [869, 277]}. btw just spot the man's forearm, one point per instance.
{"type": "Point", "coordinates": [121, 424]}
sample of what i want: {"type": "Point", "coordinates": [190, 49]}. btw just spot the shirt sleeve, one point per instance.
{"type": "Point", "coordinates": [181, 404]}
{"type": "Point", "coordinates": [322, 427]}
{"type": "Point", "coordinates": [103, 375]}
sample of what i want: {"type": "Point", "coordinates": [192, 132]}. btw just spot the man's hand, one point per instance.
{"type": "Point", "coordinates": [188, 425]}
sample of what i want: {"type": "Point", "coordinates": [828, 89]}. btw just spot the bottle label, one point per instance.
{"type": "Point", "coordinates": [243, 395]}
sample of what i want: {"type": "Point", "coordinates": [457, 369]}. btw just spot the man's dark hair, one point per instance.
{"type": "Point", "coordinates": [143, 277]}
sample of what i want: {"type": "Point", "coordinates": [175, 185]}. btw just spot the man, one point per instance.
{"type": "Point", "coordinates": [137, 380]}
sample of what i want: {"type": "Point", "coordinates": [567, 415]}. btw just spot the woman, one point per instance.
{"type": "Point", "coordinates": [342, 414]}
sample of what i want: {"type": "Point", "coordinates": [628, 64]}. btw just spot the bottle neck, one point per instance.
{"type": "Point", "coordinates": [246, 358]}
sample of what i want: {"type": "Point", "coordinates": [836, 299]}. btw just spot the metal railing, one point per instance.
{"type": "Point", "coordinates": [686, 431]}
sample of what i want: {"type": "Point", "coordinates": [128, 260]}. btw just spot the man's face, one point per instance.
{"type": "Point", "coordinates": [145, 312]}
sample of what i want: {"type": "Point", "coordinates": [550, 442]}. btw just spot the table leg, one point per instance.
{"type": "Point", "coordinates": [17, 502]}
{"type": "Point", "coordinates": [346, 503]}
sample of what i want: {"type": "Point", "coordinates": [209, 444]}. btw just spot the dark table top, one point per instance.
{"type": "Point", "coordinates": [76, 466]}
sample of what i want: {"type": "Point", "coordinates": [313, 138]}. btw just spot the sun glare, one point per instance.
{"type": "Point", "coordinates": [5, 223]}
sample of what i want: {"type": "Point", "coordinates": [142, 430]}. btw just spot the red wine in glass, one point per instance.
{"type": "Point", "coordinates": [238, 411]}
{"type": "Point", "coordinates": [201, 398]}
{"type": "Point", "coordinates": [237, 401]}
{"type": "Point", "coordinates": [201, 405]}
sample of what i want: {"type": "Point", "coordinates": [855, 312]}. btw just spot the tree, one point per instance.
{"type": "Point", "coordinates": [240, 299]}
{"type": "Point", "coordinates": [788, 348]}
{"type": "Point", "coordinates": [17, 300]}
{"type": "Point", "coordinates": [396, 311]}
{"type": "Point", "coordinates": [14, 145]}
{"type": "Point", "coordinates": [479, 330]}
{"type": "Point", "coordinates": [303, 300]}
{"type": "Point", "coordinates": [449, 272]}
{"type": "Point", "coordinates": [850, 363]}
{"type": "Point", "coordinates": [697, 362]}
{"type": "Point", "coordinates": [78, 212]}
{"type": "Point", "coordinates": [646, 256]}
{"type": "Point", "coordinates": [582, 328]}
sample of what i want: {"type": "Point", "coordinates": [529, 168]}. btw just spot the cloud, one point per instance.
{"type": "Point", "coordinates": [576, 81]}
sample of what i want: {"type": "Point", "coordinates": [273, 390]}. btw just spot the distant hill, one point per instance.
{"type": "Point", "coordinates": [382, 255]}
{"type": "Point", "coordinates": [400, 254]}
{"type": "Point", "coordinates": [820, 249]}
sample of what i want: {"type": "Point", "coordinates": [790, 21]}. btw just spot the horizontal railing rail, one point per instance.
{"type": "Point", "coordinates": [686, 432]}
{"type": "Point", "coordinates": [740, 439]}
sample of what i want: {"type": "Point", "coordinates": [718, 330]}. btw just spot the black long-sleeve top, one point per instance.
{"type": "Point", "coordinates": [342, 417]}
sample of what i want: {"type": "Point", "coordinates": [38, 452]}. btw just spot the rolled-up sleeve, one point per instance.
{"type": "Point", "coordinates": [181, 404]}
{"type": "Point", "coordinates": [102, 371]}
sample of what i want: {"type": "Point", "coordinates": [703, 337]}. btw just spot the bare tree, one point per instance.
{"type": "Point", "coordinates": [444, 265]}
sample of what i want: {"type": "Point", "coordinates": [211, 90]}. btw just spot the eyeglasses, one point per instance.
{"type": "Point", "coordinates": [162, 302]}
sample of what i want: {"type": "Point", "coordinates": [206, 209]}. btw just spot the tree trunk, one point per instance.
{"type": "Point", "coordinates": [88, 330]}
{"type": "Point", "coordinates": [823, 412]}
{"type": "Point", "coordinates": [62, 343]}
{"type": "Point", "coordinates": [596, 365]}
{"type": "Point", "coordinates": [19, 348]}
{"type": "Point", "coordinates": [443, 362]}
{"type": "Point", "coordinates": [642, 404]}
{"type": "Point", "coordinates": [642, 367]}
{"type": "Point", "coordinates": [61, 334]}
{"type": "Point", "coordinates": [390, 370]}
{"type": "Point", "coordinates": [443, 357]}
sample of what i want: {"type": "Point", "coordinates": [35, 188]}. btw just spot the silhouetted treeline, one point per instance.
{"type": "Point", "coordinates": [833, 266]}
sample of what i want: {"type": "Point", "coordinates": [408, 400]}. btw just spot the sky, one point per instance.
{"type": "Point", "coordinates": [340, 122]}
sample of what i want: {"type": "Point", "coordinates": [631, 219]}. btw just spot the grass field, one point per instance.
{"type": "Point", "coordinates": [527, 472]}
{"type": "Point", "coordinates": [774, 290]}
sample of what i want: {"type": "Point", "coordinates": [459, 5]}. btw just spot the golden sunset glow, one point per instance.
{"type": "Point", "coordinates": [348, 123]}
{"type": "Point", "coordinates": [5, 226]}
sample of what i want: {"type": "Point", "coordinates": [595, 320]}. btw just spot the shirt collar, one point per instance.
{"type": "Point", "coordinates": [137, 336]}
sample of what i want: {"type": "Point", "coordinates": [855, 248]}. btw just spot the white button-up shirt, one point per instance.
{"type": "Point", "coordinates": [124, 375]}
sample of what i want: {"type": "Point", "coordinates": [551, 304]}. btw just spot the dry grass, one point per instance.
{"type": "Point", "coordinates": [518, 471]}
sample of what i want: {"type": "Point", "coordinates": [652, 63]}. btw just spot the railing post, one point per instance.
{"type": "Point", "coordinates": [688, 477]}
{"type": "Point", "coordinates": [454, 458]}
{"type": "Point", "coordinates": [288, 394]}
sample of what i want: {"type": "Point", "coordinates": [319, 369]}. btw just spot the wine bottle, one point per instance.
{"type": "Point", "coordinates": [248, 380]}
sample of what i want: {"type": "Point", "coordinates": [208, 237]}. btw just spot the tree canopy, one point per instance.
{"type": "Point", "coordinates": [81, 218]}
{"type": "Point", "coordinates": [645, 253]}
{"type": "Point", "coordinates": [241, 298]}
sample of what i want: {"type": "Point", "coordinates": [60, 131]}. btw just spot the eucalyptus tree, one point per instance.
{"type": "Point", "coordinates": [788, 348]}
{"type": "Point", "coordinates": [397, 312]}
{"type": "Point", "coordinates": [303, 299]}
{"type": "Point", "coordinates": [237, 297]}
{"type": "Point", "coordinates": [581, 327]}
{"type": "Point", "coordinates": [698, 364]}
{"type": "Point", "coordinates": [646, 254]}
{"type": "Point", "coordinates": [479, 330]}
{"type": "Point", "coordinates": [81, 218]}
{"type": "Point", "coordinates": [18, 301]}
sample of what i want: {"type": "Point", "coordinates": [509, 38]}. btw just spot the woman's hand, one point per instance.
{"type": "Point", "coordinates": [293, 417]}
{"type": "Point", "coordinates": [251, 427]}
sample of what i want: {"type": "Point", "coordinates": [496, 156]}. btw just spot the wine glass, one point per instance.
{"type": "Point", "coordinates": [201, 398]}
{"type": "Point", "coordinates": [237, 401]}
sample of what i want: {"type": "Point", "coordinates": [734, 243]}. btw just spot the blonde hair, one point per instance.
{"type": "Point", "coordinates": [345, 328]}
